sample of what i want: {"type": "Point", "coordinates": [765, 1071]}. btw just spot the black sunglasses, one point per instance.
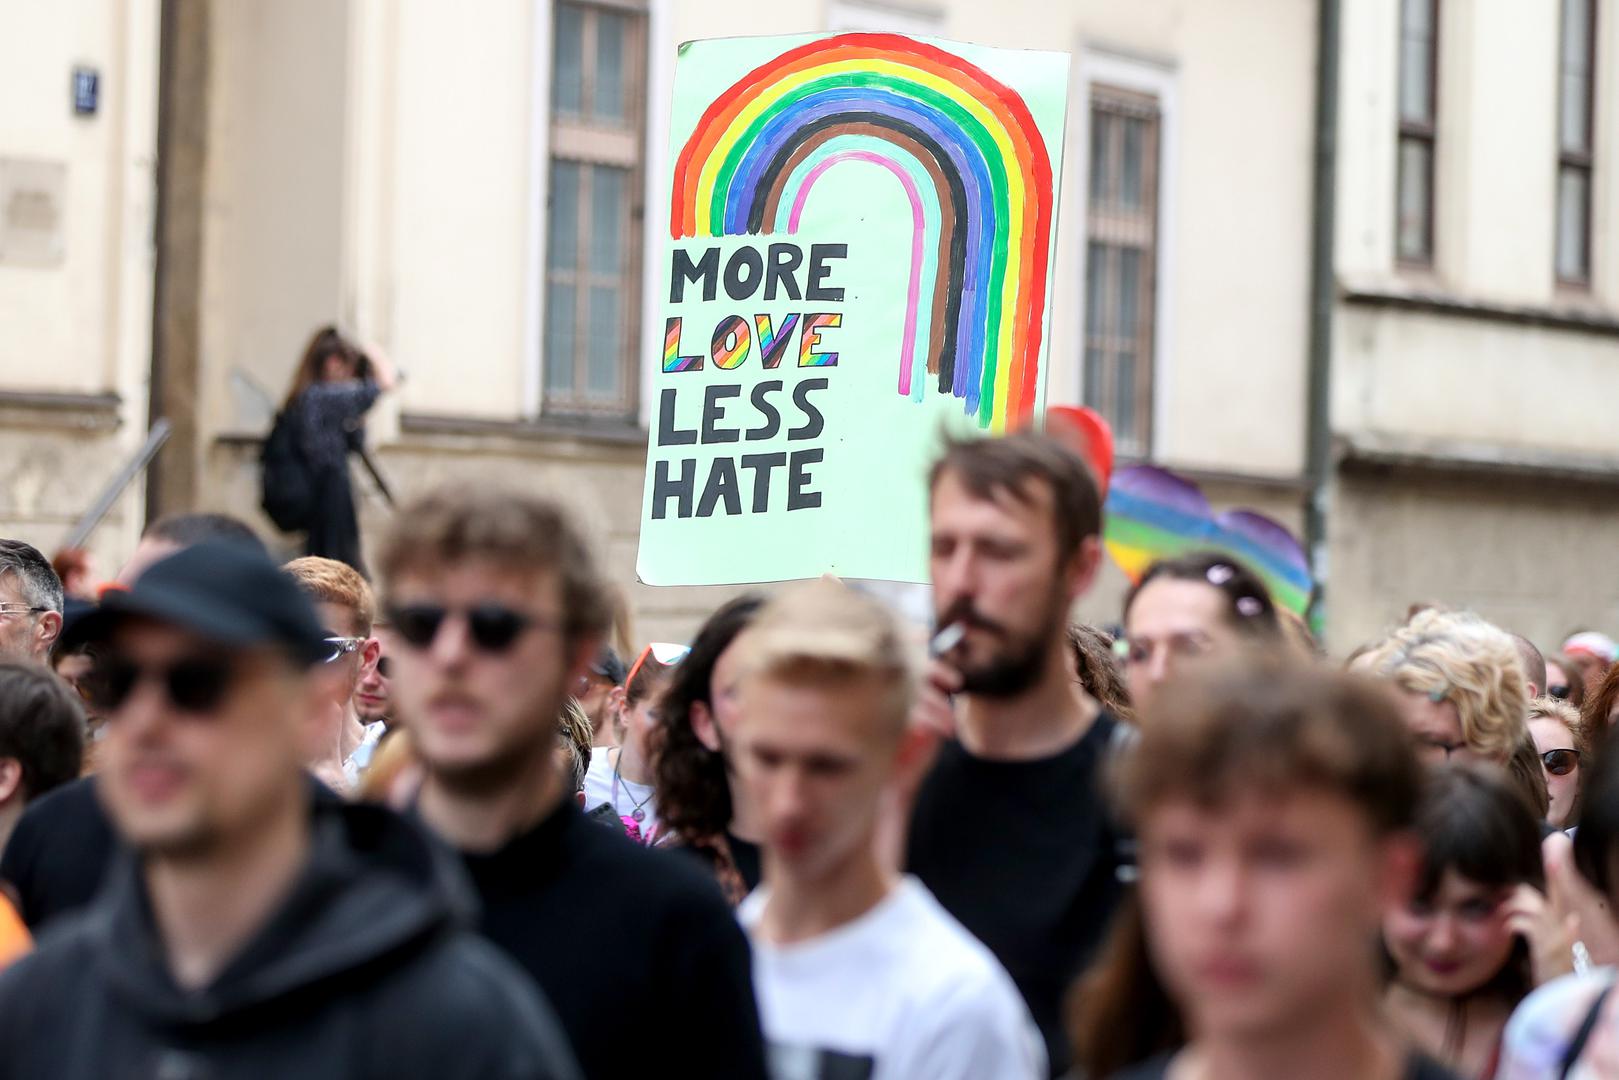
{"type": "Point", "coordinates": [385, 667]}
{"type": "Point", "coordinates": [493, 627]}
{"type": "Point", "coordinates": [1559, 691]}
{"type": "Point", "coordinates": [195, 685]}
{"type": "Point", "coordinates": [1560, 762]}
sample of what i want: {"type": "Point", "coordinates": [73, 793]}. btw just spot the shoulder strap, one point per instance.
{"type": "Point", "coordinates": [1582, 1036]}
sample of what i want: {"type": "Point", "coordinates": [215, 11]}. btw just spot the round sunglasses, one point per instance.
{"type": "Point", "coordinates": [194, 685]}
{"type": "Point", "coordinates": [1560, 762]}
{"type": "Point", "coordinates": [493, 627]}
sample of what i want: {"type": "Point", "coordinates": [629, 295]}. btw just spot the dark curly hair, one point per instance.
{"type": "Point", "coordinates": [694, 794]}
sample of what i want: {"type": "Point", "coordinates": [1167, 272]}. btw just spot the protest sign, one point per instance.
{"type": "Point", "coordinates": [861, 242]}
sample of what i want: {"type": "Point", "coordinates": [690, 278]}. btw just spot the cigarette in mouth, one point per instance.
{"type": "Point", "coordinates": [947, 639]}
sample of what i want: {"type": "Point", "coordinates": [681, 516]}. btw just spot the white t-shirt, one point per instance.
{"type": "Point", "coordinates": [625, 796]}
{"type": "Point", "coordinates": [901, 992]}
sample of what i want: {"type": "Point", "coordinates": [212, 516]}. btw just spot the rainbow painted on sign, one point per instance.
{"type": "Point", "coordinates": [975, 171]}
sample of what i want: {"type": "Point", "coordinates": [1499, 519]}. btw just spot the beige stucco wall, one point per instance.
{"type": "Point", "coordinates": [80, 326]}
{"type": "Point", "coordinates": [1524, 553]}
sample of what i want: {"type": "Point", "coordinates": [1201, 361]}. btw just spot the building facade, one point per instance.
{"type": "Point", "coordinates": [475, 190]}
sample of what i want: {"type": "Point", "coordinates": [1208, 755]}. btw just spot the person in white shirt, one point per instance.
{"type": "Point", "coordinates": [859, 971]}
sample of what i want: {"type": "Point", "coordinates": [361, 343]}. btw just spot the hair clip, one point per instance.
{"type": "Point", "coordinates": [1248, 606]}
{"type": "Point", "coordinates": [1220, 573]}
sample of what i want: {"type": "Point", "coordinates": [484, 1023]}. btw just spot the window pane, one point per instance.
{"type": "Point", "coordinates": [559, 338]}
{"type": "Point", "coordinates": [1415, 179]}
{"type": "Point", "coordinates": [1135, 135]}
{"type": "Point", "coordinates": [1129, 293]}
{"type": "Point", "coordinates": [1574, 122]}
{"type": "Point", "coordinates": [1101, 158]}
{"type": "Point", "coordinates": [1573, 224]}
{"type": "Point", "coordinates": [562, 232]}
{"type": "Point", "coordinates": [567, 73]}
{"type": "Point", "coordinates": [607, 213]}
{"type": "Point", "coordinates": [1096, 271]}
{"type": "Point", "coordinates": [1093, 379]}
{"type": "Point", "coordinates": [1124, 392]}
{"type": "Point", "coordinates": [611, 29]}
{"type": "Point", "coordinates": [1416, 99]}
{"type": "Point", "coordinates": [604, 362]}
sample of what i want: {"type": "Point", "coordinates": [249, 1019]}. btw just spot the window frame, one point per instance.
{"type": "Point", "coordinates": [1425, 133]}
{"type": "Point", "coordinates": [579, 141]}
{"type": "Point", "coordinates": [1583, 160]}
{"type": "Point", "coordinates": [1104, 222]}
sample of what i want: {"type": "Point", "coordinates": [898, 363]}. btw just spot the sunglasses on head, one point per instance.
{"type": "Point", "coordinates": [1560, 762]}
{"type": "Point", "coordinates": [342, 646]}
{"type": "Point", "coordinates": [195, 685]}
{"type": "Point", "coordinates": [493, 627]}
{"type": "Point", "coordinates": [663, 652]}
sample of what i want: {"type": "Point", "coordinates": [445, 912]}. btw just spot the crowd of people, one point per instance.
{"type": "Point", "coordinates": [262, 820]}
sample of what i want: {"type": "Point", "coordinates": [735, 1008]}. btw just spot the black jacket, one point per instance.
{"type": "Point", "coordinates": [365, 971]}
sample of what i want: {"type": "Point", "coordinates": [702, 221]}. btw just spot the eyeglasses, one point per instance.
{"type": "Point", "coordinates": [1560, 762]}
{"type": "Point", "coordinates": [342, 646]}
{"type": "Point", "coordinates": [663, 652]}
{"type": "Point", "coordinates": [493, 627]}
{"type": "Point", "coordinates": [195, 685]}
{"type": "Point", "coordinates": [21, 609]}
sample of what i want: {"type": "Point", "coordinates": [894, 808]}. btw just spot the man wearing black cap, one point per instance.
{"type": "Point", "coordinates": [251, 930]}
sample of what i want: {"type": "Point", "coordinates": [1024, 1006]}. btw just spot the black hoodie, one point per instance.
{"type": "Point", "coordinates": [365, 970]}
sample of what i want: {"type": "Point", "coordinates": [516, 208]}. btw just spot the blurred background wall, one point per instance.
{"type": "Point", "coordinates": [1347, 262]}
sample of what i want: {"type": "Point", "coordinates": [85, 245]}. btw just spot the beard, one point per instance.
{"type": "Point", "coordinates": [510, 760]}
{"type": "Point", "coordinates": [1020, 662]}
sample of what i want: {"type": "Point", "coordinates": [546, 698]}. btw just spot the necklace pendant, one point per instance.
{"type": "Point", "coordinates": [638, 814]}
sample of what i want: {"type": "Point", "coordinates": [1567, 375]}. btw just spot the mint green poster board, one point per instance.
{"type": "Point", "coordinates": [862, 233]}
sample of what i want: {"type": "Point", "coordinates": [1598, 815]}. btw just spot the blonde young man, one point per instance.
{"type": "Point", "coordinates": [859, 971]}
{"type": "Point", "coordinates": [346, 608]}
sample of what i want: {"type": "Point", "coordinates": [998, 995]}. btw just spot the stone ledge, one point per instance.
{"type": "Point", "coordinates": [69, 412]}
{"type": "Point", "coordinates": [1583, 316]}
{"type": "Point", "coordinates": [612, 432]}
{"type": "Point", "coordinates": [1372, 452]}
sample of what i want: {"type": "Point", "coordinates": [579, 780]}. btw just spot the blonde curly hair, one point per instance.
{"type": "Point", "coordinates": [1456, 656]}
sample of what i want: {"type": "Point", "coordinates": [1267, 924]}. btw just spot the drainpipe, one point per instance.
{"type": "Point", "coordinates": [1318, 432]}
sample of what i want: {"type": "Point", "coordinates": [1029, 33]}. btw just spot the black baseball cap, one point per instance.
{"type": "Point", "coordinates": [228, 593]}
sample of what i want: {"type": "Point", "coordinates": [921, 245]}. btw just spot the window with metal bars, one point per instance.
{"type": "Point", "coordinates": [1576, 78]}
{"type": "Point", "coordinates": [595, 209]}
{"type": "Point", "coordinates": [1121, 261]}
{"type": "Point", "coordinates": [1418, 132]}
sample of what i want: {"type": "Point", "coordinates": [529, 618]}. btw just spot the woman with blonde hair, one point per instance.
{"type": "Point", "coordinates": [1563, 750]}
{"type": "Point", "coordinates": [1461, 685]}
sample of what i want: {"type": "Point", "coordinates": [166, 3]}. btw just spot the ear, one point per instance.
{"type": "Point", "coordinates": [1083, 566]}
{"type": "Point", "coordinates": [580, 654]}
{"type": "Point", "coordinates": [48, 630]}
{"type": "Point", "coordinates": [370, 653]}
{"type": "Point", "coordinates": [1399, 860]}
{"type": "Point", "coordinates": [703, 725]}
{"type": "Point", "coordinates": [10, 780]}
{"type": "Point", "coordinates": [917, 747]}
